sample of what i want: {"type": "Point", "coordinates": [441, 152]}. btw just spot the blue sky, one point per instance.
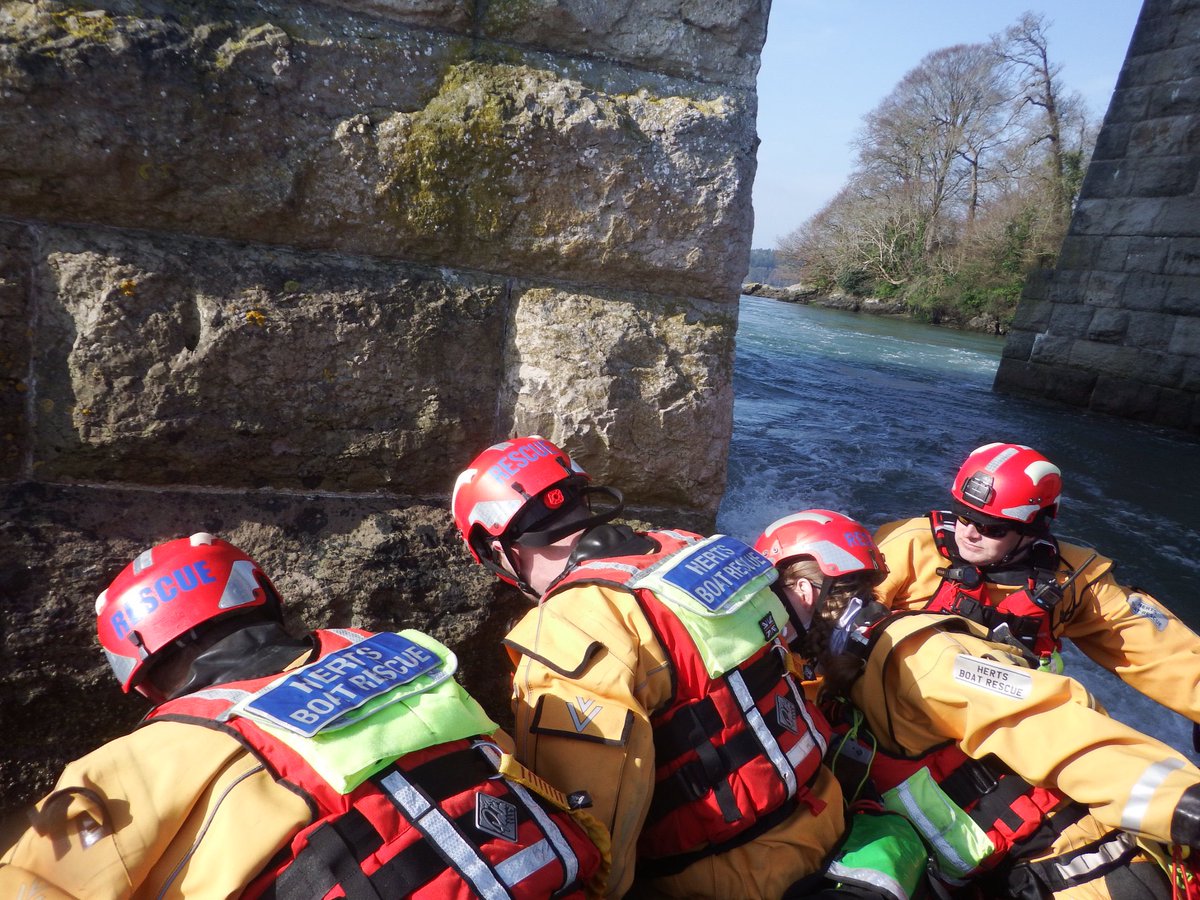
{"type": "Point", "coordinates": [827, 63]}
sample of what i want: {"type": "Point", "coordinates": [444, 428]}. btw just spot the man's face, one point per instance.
{"type": "Point", "coordinates": [983, 550]}
{"type": "Point", "coordinates": [539, 566]}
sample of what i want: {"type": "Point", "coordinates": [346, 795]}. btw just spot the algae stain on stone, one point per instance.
{"type": "Point", "coordinates": [505, 14]}
{"type": "Point", "coordinates": [451, 169]}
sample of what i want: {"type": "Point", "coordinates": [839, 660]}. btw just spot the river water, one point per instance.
{"type": "Point", "coordinates": [872, 416]}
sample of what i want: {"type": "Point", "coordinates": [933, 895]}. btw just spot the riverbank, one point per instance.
{"type": "Point", "coordinates": [799, 293]}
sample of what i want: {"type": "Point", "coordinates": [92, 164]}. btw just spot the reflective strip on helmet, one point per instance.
{"type": "Point", "coordinates": [947, 854]}
{"type": "Point", "coordinates": [144, 561]}
{"type": "Point", "coordinates": [778, 758]}
{"type": "Point", "coordinates": [878, 880]}
{"type": "Point", "coordinates": [1143, 791]}
{"type": "Point", "coordinates": [352, 636]}
{"type": "Point", "coordinates": [241, 585]}
{"type": "Point", "coordinates": [495, 515]}
{"type": "Point", "coordinates": [1109, 851]}
{"type": "Point", "coordinates": [434, 825]}
{"type": "Point", "coordinates": [122, 666]}
{"type": "Point", "coordinates": [549, 827]}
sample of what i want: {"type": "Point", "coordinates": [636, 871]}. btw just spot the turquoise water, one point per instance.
{"type": "Point", "coordinates": [872, 416]}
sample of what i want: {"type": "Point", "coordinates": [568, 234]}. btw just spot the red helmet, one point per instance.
{"type": "Point", "coordinates": [171, 589]}
{"type": "Point", "coordinates": [522, 489]}
{"type": "Point", "coordinates": [839, 545]}
{"type": "Point", "coordinates": [1008, 483]}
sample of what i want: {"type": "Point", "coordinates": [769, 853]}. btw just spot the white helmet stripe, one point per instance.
{"type": "Point", "coordinates": [1039, 469]}
{"type": "Point", "coordinates": [830, 554]}
{"type": "Point", "coordinates": [807, 516]}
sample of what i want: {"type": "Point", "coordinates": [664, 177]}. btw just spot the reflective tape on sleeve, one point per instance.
{"type": "Point", "coordinates": [1142, 793]}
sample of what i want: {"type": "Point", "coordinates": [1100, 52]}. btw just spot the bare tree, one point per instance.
{"type": "Point", "coordinates": [964, 179]}
{"type": "Point", "coordinates": [1036, 84]}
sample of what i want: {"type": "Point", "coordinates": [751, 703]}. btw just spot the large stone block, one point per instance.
{"type": "Point", "coordinates": [1079, 252]}
{"type": "Point", "coordinates": [1184, 258]}
{"type": "Point", "coordinates": [1166, 177]}
{"type": "Point", "coordinates": [1144, 291]}
{"type": "Point", "coordinates": [1150, 330]}
{"type": "Point", "coordinates": [712, 40]}
{"type": "Point", "coordinates": [1132, 364]}
{"type": "Point", "coordinates": [1125, 397]}
{"type": "Point", "coordinates": [1051, 350]}
{"type": "Point", "coordinates": [337, 561]}
{"type": "Point", "coordinates": [1104, 216]}
{"type": "Point", "coordinates": [312, 126]}
{"type": "Point", "coordinates": [1174, 96]}
{"type": "Point", "coordinates": [1162, 137]}
{"type": "Point", "coordinates": [173, 361]}
{"type": "Point", "coordinates": [1128, 104]}
{"type": "Point", "coordinates": [1185, 339]}
{"type": "Point", "coordinates": [1071, 321]}
{"type": "Point", "coordinates": [1154, 33]}
{"type": "Point", "coordinates": [1019, 344]}
{"type": "Point", "coordinates": [1109, 178]}
{"type": "Point", "coordinates": [1177, 217]}
{"type": "Point", "coordinates": [1113, 140]}
{"type": "Point", "coordinates": [1045, 382]}
{"type": "Point", "coordinates": [1147, 254]}
{"type": "Point", "coordinates": [656, 388]}
{"type": "Point", "coordinates": [15, 256]}
{"type": "Point", "coordinates": [1032, 315]}
{"type": "Point", "coordinates": [1108, 326]}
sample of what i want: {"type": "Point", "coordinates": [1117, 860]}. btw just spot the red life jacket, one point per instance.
{"type": "Point", "coordinates": [733, 754]}
{"type": "Point", "coordinates": [437, 823]}
{"type": "Point", "coordinates": [1026, 612]}
{"type": "Point", "coordinates": [1021, 821]}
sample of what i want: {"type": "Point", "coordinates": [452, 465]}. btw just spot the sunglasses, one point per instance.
{"type": "Point", "coordinates": [987, 529]}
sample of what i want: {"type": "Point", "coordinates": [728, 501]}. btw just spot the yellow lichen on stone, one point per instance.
{"type": "Point", "coordinates": [85, 24]}
{"type": "Point", "coordinates": [255, 317]}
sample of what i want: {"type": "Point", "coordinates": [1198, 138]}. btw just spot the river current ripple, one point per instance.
{"type": "Point", "coordinates": [872, 416]}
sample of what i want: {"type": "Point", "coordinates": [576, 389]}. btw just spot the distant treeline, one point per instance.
{"type": "Point", "coordinates": [762, 268]}
{"type": "Point", "coordinates": [964, 181]}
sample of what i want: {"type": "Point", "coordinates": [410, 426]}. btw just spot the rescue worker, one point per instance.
{"type": "Point", "coordinates": [344, 763]}
{"type": "Point", "coordinates": [650, 673]}
{"type": "Point", "coordinates": [1021, 786]}
{"type": "Point", "coordinates": [992, 559]}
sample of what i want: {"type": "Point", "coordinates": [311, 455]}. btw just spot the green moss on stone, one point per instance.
{"type": "Point", "coordinates": [452, 172]}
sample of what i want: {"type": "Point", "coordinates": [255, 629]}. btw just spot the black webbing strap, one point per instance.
{"type": "Point", "coordinates": [971, 781]}
{"type": "Point", "coordinates": [673, 865]}
{"type": "Point", "coordinates": [709, 772]}
{"type": "Point", "coordinates": [332, 856]}
{"type": "Point", "coordinates": [674, 738]}
{"type": "Point", "coordinates": [449, 774]}
{"type": "Point", "coordinates": [994, 789]}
